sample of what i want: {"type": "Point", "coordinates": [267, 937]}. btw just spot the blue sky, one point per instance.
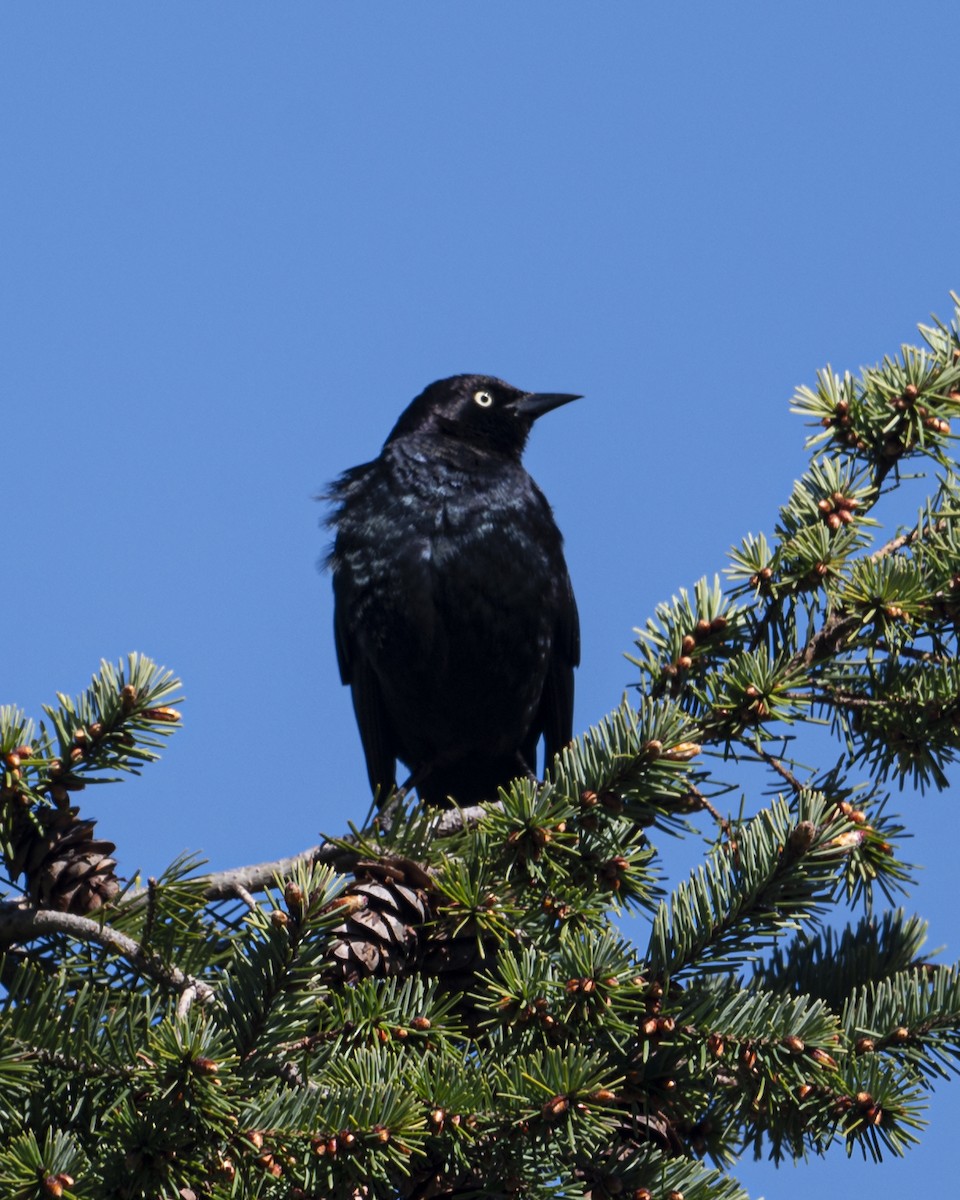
{"type": "Point", "coordinates": [238, 238]}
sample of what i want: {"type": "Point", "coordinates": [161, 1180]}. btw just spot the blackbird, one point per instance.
{"type": "Point", "coordinates": [455, 621]}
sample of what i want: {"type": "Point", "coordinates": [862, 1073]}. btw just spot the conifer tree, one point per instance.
{"type": "Point", "coordinates": [444, 1005]}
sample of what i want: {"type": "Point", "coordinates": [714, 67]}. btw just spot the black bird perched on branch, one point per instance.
{"type": "Point", "coordinates": [455, 622]}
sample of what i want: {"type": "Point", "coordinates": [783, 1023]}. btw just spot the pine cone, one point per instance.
{"type": "Point", "coordinates": [66, 867]}
{"type": "Point", "coordinates": [385, 934]}
{"type": "Point", "coordinates": [394, 930]}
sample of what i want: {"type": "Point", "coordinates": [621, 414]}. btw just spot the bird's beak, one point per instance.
{"type": "Point", "coordinates": [535, 404]}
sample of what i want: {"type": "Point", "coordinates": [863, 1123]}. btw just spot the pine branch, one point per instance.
{"type": "Point", "coordinates": [19, 924]}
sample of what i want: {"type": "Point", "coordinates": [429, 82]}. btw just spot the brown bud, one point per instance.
{"type": "Point", "coordinates": [847, 842]}
{"type": "Point", "coordinates": [865, 1045]}
{"type": "Point", "coordinates": [688, 644]}
{"type": "Point", "coordinates": [684, 662]}
{"type": "Point", "coordinates": [716, 1045]}
{"type": "Point", "coordinates": [279, 919]}
{"type": "Point", "coordinates": [682, 752]}
{"type": "Point", "coordinates": [293, 897]}
{"type": "Point", "coordinates": [911, 392]}
{"type": "Point", "coordinates": [588, 799]}
{"type": "Point", "coordinates": [822, 1058]}
{"type": "Point", "coordinates": [802, 838]}
{"type": "Point", "coordinates": [270, 1165]}
{"type": "Point", "coordinates": [206, 1066]}
{"type": "Point", "coordinates": [420, 1023]}
{"type": "Point", "coordinates": [170, 715]}
{"type": "Point", "coordinates": [794, 1044]}
{"type": "Point", "coordinates": [556, 1106]}
{"type": "Point", "coordinates": [128, 696]}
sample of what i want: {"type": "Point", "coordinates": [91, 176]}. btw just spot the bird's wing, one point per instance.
{"type": "Point", "coordinates": [555, 716]}
{"type": "Point", "coordinates": [368, 704]}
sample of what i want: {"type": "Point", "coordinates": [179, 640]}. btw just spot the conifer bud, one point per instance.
{"type": "Point", "coordinates": [556, 1106]}
{"type": "Point", "coordinates": [293, 898]}
{"type": "Point", "coordinates": [170, 715]}
{"type": "Point", "coordinates": [682, 752]}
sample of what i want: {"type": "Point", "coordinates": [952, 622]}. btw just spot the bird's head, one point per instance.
{"type": "Point", "coordinates": [479, 410]}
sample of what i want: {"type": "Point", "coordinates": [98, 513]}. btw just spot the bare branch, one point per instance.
{"type": "Point", "coordinates": [243, 881]}
{"type": "Point", "coordinates": [19, 924]}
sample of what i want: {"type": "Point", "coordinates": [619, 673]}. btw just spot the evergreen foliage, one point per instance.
{"type": "Point", "coordinates": [444, 1005]}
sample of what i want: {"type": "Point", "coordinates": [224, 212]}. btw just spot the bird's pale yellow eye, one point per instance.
{"type": "Point", "coordinates": [484, 399]}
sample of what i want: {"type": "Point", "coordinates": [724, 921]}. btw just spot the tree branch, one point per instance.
{"type": "Point", "coordinates": [18, 924]}
{"type": "Point", "coordinates": [234, 882]}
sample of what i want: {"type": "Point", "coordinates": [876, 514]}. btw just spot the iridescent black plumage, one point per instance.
{"type": "Point", "coordinates": [456, 626]}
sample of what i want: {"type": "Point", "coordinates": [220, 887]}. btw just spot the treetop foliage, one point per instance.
{"type": "Point", "coordinates": [449, 1004]}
